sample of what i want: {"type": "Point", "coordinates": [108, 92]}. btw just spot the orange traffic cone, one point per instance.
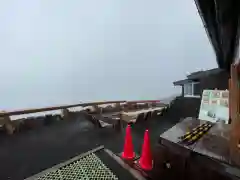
{"type": "Point", "coordinates": [128, 152]}
{"type": "Point", "coordinates": [146, 162]}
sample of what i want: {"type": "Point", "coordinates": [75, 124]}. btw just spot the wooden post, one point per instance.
{"type": "Point", "coordinates": [230, 99]}
{"type": "Point", "coordinates": [6, 122]}
{"type": "Point", "coordinates": [96, 108]}
{"type": "Point", "coordinates": [100, 110]}
{"type": "Point", "coordinates": [65, 114]}
{"type": "Point", "coordinates": [234, 105]}
{"type": "Point", "coordinates": [117, 107]}
{"type": "Point", "coordinates": [126, 108]}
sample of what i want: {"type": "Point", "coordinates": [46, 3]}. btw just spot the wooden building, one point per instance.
{"type": "Point", "coordinates": [188, 104]}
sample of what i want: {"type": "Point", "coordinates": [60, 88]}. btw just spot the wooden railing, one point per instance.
{"type": "Point", "coordinates": [12, 126]}
{"type": "Point", "coordinates": [144, 101]}
{"type": "Point", "coordinates": [36, 110]}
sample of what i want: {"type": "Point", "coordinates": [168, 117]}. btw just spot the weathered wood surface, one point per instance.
{"type": "Point", "coordinates": [212, 151]}
{"type": "Point", "coordinates": [138, 115]}
{"type": "Point", "coordinates": [234, 92]}
{"type": "Point", "coordinates": [135, 113]}
{"type": "Point", "coordinates": [215, 143]}
{"type": "Point", "coordinates": [180, 129]}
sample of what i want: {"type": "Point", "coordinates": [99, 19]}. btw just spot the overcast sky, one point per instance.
{"type": "Point", "coordinates": [59, 52]}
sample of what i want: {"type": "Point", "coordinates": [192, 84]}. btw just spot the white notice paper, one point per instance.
{"type": "Point", "coordinates": [214, 106]}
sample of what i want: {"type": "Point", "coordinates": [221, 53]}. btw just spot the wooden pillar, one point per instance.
{"type": "Point", "coordinates": [154, 104]}
{"type": "Point", "coordinates": [6, 122]}
{"type": "Point", "coordinates": [96, 109]}
{"type": "Point", "coordinates": [234, 105]}
{"type": "Point", "coordinates": [127, 105]}
{"type": "Point", "coordinates": [100, 109]}
{"type": "Point", "coordinates": [149, 105]}
{"type": "Point", "coordinates": [118, 107]}
{"type": "Point", "coordinates": [230, 99]}
{"type": "Point", "coordinates": [118, 125]}
{"type": "Point", "coordinates": [65, 114]}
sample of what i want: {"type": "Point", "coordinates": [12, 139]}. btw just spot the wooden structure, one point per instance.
{"type": "Point", "coordinates": [11, 126]}
{"type": "Point", "coordinates": [188, 103]}
{"type": "Point", "coordinates": [141, 115]}
{"type": "Point", "coordinates": [196, 82]}
{"type": "Point", "coordinates": [92, 111]}
{"type": "Point", "coordinates": [208, 158]}
{"type": "Point", "coordinates": [217, 153]}
{"type": "Point", "coordinates": [234, 111]}
{"type": "Point", "coordinates": [221, 22]}
{"type": "Point", "coordinates": [28, 111]}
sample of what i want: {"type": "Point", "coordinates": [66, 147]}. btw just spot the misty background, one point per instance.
{"type": "Point", "coordinates": [60, 52]}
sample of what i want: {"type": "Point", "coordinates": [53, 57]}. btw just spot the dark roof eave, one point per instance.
{"type": "Point", "coordinates": [182, 82]}
{"type": "Point", "coordinates": [200, 74]}
{"type": "Point", "coordinates": [221, 22]}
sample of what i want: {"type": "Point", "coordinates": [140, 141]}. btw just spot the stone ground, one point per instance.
{"type": "Point", "coordinates": [30, 152]}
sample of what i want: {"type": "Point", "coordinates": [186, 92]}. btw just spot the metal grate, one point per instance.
{"type": "Point", "coordinates": [89, 167]}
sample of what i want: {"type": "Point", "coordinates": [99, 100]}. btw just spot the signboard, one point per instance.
{"type": "Point", "coordinates": [214, 106]}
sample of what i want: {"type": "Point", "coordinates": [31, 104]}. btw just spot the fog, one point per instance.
{"type": "Point", "coordinates": [60, 52]}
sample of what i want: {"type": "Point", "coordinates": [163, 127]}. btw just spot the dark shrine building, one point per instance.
{"type": "Point", "coordinates": [196, 82]}
{"type": "Point", "coordinates": [188, 103]}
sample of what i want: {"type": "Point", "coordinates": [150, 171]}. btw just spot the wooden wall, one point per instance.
{"type": "Point", "coordinates": [215, 81]}
{"type": "Point", "coordinates": [185, 107]}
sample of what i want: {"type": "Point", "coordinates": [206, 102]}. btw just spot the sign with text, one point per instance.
{"type": "Point", "coordinates": [214, 106]}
